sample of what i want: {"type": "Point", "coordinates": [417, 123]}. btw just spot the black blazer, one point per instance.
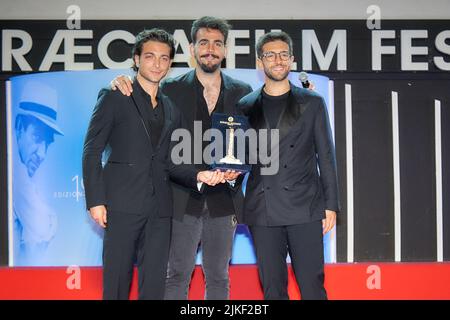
{"type": "Point", "coordinates": [297, 193]}
{"type": "Point", "coordinates": [181, 90]}
{"type": "Point", "coordinates": [134, 168]}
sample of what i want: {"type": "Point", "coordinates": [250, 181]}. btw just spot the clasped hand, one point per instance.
{"type": "Point", "coordinates": [213, 177]}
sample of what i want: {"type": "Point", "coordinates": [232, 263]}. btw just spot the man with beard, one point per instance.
{"type": "Point", "coordinates": [208, 218]}
{"type": "Point", "coordinates": [288, 212]}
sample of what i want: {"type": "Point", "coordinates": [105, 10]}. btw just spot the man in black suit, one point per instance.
{"type": "Point", "coordinates": [209, 218]}
{"type": "Point", "coordinates": [131, 196]}
{"type": "Point", "coordinates": [289, 211]}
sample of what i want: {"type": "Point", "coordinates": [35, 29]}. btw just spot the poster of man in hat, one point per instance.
{"type": "Point", "coordinates": [35, 126]}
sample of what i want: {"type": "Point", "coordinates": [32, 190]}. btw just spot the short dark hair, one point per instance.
{"type": "Point", "coordinates": [270, 37]}
{"type": "Point", "coordinates": [210, 23]}
{"type": "Point", "coordinates": [154, 34]}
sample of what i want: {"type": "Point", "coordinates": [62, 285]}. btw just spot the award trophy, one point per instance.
{"type": "Point", "coordinates": [227, 125]}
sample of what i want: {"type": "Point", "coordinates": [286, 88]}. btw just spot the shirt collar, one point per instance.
{"type": "Point", "coordinates": [144, 93]}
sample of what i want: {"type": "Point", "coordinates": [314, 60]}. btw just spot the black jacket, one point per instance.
{"type": "Point", "coordinates": [297, 193]}
{"type": "Point", "coordinates": [181, 90]}
{"type": "Point", "coordinates": [134, 167]}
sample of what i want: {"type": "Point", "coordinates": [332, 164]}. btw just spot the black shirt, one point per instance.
{"type": "Point", "coordinates": [273, 106]}
{"type": "Point", "coordinates": [154, 116]}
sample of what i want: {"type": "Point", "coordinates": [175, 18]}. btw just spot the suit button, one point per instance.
{"type": "Point", "coordinates": [285, 166]}
{"type": "Point", "coordinates": [292, 145]}
{"type": "Point", "coordinates": [267, 188]}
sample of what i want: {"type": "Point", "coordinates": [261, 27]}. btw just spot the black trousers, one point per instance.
{"type": "Point", "coordinates": [142, 238]}
{"type": "Point", "coordinates": [304, 242]}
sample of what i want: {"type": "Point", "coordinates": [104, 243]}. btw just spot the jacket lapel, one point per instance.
{"type": "Point", "coordinates": [291, 113]}
{"type": "Point", "coordinates": [190, 100]}
{"type": "Point", "coordinates": [253, 110]}
{"type": "Point", "coordinates": [289, 116]}
{"type": "Point", "coordinates": [167, 118]}
{"type": "Point", "coordinates": [227, 91]}
{"type": "Point", "coordinates": [141, 107]}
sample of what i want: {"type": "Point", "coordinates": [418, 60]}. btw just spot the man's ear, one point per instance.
{"type": "Point", "coordinates": [259, 63]}
{"type": "Point", "coordinates": [291, 61]}
{"type": "Point", "coordinates": [136, 60]}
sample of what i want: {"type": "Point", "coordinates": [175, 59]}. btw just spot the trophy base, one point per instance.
{"type": "Point", "coordinates": [243, 168]}
{"type": "Point", "coordinates": [230, 160]}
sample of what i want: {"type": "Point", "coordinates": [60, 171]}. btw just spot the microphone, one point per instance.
{"type": "Point", "coordinates": [303, 77]}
